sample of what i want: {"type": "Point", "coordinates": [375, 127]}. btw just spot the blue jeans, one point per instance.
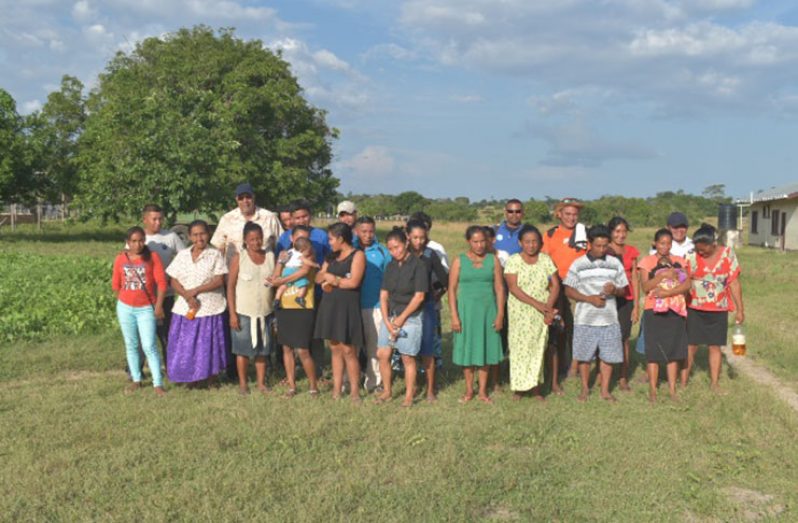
{"type": "Point", "coordinates": [138, 324]}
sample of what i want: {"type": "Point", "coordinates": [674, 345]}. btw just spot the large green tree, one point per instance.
{"type": "Point", "coordinates": [184, 118]}
{"type": "Point", "coordinates": [53, 136]}
{"type": "Point", "coordinates": [14, 158]}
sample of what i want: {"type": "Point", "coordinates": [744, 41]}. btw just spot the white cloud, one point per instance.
{"type": "Point", "coordinates": [576, 144]}
{"type": "Point", "coordinates": [676, 55]}
{"type": "Point", "coordinates": [31, 106]}
{"type": "Point", "coordinates": [373, 161]}
{"type": "Point", "coordinates": [467, 98]}
{"type": "Point", "coordinates": [97, 33]}
{"type": "Point", "coordinates": [83, 12]}
{"type": "Point", "coordinates": [327, 59]}
{"type": "Point", "coordinates": [391, 50]}
{"type": "Point", "coordinates": [327, 79]}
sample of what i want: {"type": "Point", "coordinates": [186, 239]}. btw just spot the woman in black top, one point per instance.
{"type": "Point", "coordinates": [404, 285]}
{"type": "Point", "coordinates": [438, 278]}
{"type": "Point", "coordinates": [339, 319]}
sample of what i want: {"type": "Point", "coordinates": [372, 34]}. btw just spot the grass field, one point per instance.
{"type": "Point", "coordinates": [75, 448]}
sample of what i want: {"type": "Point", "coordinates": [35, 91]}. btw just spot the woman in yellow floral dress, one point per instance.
{"type": "Point", "coordinates": [533, 284]}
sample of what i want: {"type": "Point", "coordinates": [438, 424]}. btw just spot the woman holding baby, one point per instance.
{"type": "Point", "coordinates": [665, 283]}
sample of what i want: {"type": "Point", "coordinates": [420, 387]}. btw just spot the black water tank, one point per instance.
{"type": "Point", "coordinates": [727, 217]}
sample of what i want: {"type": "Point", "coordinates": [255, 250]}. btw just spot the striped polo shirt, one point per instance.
{"type": "Point", "coordinates": [588, 276]}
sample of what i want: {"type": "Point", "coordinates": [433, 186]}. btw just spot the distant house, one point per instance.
{"type": "Point", "coordinates": [774, 218]}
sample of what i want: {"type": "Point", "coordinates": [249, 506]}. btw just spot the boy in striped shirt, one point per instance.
{"type": "Point", "coordinates": [594, 281]}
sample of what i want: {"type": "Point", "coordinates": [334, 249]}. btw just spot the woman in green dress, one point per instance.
{"type": "Point", "coordinates": [533, 285]}
{"type": "Point", "coordinates": [476, 301]}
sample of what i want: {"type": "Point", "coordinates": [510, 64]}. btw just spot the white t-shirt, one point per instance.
{"type": "Point", "coordinates": [440, 251]}
{"type": "Point", "coordinates": [294, 259]}
{"type": "Point", "coordinates": [166, 243]}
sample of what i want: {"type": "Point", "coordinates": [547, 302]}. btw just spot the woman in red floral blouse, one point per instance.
{"type": "Point", "coordinates": [716, 290]}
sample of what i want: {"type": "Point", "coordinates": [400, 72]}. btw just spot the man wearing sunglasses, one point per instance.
{"type": "Point", "coordinates": [229, 234]}
{"type": "Point", "coordinates": [507, 231]}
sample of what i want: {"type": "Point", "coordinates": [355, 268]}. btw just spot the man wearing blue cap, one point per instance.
{"type": "Point", "coordinates": [682, 244]}
{"type": "Point", "coordinates": [229, 234]}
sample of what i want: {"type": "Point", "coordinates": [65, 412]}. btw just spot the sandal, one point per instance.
{"type": "Point", "coordinates": [290, 393]}
{"type": "Point", "coordinates": [314, 393]}
{"type": "Point", "coordinates": [133, 388]}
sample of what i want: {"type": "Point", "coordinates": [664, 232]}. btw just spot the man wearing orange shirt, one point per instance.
{"type": "Point", "coordinates": [564, 243]}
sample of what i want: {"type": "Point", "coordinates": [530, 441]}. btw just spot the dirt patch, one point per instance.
{"type": "Point", "coordinates": [755, 505]}
{"type": "Point", "coordinates": [763, 376]}
{"type": "Point", "coordinates": [80, 375]}
{"type": "Point", "coordinates": [499, 513]}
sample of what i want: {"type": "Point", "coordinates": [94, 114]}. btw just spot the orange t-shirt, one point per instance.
{"type": "Point", "coordinates": [560, 252]}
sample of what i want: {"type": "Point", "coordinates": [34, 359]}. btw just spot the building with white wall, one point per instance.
{"type": "Point", "coordinates": [773, 218]}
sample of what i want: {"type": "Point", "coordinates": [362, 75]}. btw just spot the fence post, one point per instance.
{"type": "Point", "coordinates": [39, 214]}
{"type": "Point", "coordinates": [13, 217]}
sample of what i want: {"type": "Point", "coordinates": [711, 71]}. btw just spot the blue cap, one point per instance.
{"type": "Point", "coordinates": [244, 188]}
{"type": "Point", "coordinates": [677, 219]}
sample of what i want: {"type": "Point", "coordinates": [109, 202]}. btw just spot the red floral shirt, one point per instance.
{"type": "Point", "coordinates": [710, 290]}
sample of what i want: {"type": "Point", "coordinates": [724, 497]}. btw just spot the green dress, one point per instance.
{"type": "Point", "coordinates": [478, 343]}
{"type": "Point", "coordinates": [526, 333]}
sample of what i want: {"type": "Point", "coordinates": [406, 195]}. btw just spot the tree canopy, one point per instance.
{"type": "Point", "coordinates": [14, 158]}
{"type": "Point", "coordinates": [184, 118]}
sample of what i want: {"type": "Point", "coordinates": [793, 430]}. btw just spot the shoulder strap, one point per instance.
{"type": "Point", "coordinates": [138, 277]}
{"type": "Point", "coordinates": [551, 231]}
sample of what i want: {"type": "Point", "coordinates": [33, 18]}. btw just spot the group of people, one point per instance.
{"type": "Point", "coordinates": [267, 279]}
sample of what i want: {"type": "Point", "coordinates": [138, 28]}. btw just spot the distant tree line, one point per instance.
{"type": "Point", "coordinates": [180, 120]}
{"type": "Point", "coordinates": [641, 212]}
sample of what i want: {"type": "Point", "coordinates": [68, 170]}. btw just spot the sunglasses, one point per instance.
{"type": "Point", "coordinates": [513, 211]}
{"type": "Point", "coordinates": [570, 200]}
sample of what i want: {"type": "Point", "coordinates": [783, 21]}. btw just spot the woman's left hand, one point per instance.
{"type": "Point", "coordinates": [635, 315]}
{"type": "Point", "coordinates": [498, 323]}
{"type": "Point", "coordinates": [739, 317]}
{"type": "Point", "coordinates": [159, 315]}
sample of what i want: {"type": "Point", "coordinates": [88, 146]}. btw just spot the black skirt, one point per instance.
{"type": "Point", "coordinates": [707, 328]}
{"type": "Point", "coordinates": [295, 327]}
{"type": "Point", "coordinates": [339, 319]}
{"type": "Point", "coordinates": [625, 317]}
{"type": "Point", "coordinates": [666, 336]}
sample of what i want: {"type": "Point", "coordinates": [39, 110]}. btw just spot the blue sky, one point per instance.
{"type": "Point", "coordinates": [482, 98]}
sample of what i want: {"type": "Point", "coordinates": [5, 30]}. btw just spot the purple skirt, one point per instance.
{"type": "Point", "coordinates": [197, 348]}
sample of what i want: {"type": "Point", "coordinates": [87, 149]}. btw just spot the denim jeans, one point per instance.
{"type": "Point", "coordinates": [138, 325]}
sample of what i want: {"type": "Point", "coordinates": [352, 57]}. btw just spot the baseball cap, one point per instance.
{"type": "Point", "coordinates": [677, 219]}
{"type": "Point", "coordinates": [244, 188]}
{"type": "Point", "coordinates": [347, 207]}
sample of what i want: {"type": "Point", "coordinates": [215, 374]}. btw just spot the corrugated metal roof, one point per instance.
{"type": "Point", "coordinates": [778, 193]}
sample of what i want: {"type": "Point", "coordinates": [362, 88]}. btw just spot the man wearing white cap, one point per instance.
{"type": "Point", "coordinates": [347, 213]}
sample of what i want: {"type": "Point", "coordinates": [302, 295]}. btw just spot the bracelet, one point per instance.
{"type": "Point", "coordinates": [337, 281]}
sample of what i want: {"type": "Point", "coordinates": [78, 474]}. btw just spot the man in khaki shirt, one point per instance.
{"type": "Point", "coordinates": [229, 234]}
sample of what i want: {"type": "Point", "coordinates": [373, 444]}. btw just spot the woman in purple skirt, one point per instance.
{"type": "Point", "coordinates": [197, 336]}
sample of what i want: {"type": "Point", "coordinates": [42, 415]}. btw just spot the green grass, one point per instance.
{"type": "Point", "coordinates": [75, 448]}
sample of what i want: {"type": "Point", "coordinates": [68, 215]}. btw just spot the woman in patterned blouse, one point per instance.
{"type": "Point", "coordinates": [198, 334]}
{"type": "Point", "coordinates": [716, 290]}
